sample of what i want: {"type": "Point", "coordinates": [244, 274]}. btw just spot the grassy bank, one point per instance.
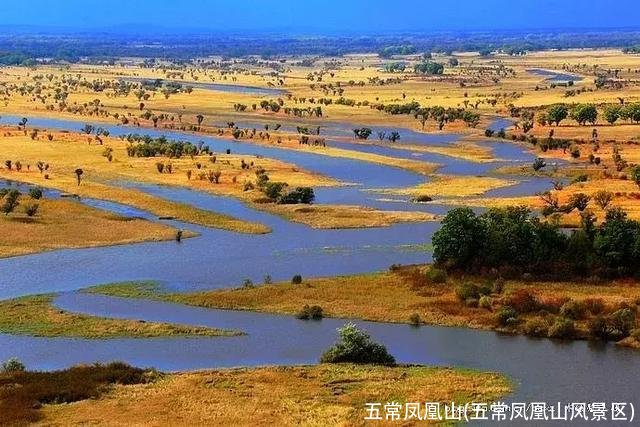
{"type": "Point", "coordinates": [36, 316]}
{"type": "Point", "coordinates": [302, 395]}
{"type": "Point", "coordinates": [344, 216]}
{"type": "Point", "coordinates": [64, 223]}
{"type": "Point", "coordinates": [420, 295]}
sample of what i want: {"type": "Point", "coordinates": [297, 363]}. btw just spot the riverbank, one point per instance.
{"type": "Point", "coordinates": [422, 295]}
{"type": "Point", "coordinates": [36, 316]}
{"type": "Point", "coordinates": [302, 395]}
{"type": "Point", "coordinates": [65, 224]}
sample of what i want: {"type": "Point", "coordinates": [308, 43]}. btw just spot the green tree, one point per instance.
{"type": "Point", "coordinates": [10, 202]}
{"type": "Point", "coordinates": [557, 113]}
{"type": "Point", "coordinates": [460, 237]}
{"type": "Point", "coordinates": [583, 113]}
{"type": "Point", "coordinates": [356, 346]}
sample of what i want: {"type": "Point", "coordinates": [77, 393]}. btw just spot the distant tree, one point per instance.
{"type": "Point", "coordinates": [603, 198]}
{"type": "Point", "coordinates": [362, 133]}
{"type": "Point", "coordinates": [612, 114]}
{"type": "Point", "coordinates": [79, 173]}
{"type": "Point", "coordinates": [557, 113]}
{"type": "Point", "coordinates": [583, 113]}
{"type": "Point", "coordinates": [10, 202]}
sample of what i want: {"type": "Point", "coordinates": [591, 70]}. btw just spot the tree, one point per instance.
{"type": "Point", "coordinates": [459, 238]}
{"type": "Point", "coordinates": [579, 201]}
{"type": "Point", "coordinates": [612, 114]}
{"type": "Point", "coordinates": [429, 68]}
{"type": "Point", "coordinates": [356, 346]}
{"type": "Point", "coordinates": [603, 198]}
{"type": "Point", "coordinates": [362, 133]}
{"type": "Point", "coordinates": [538, 164]}
{"type": "Point", "coordinates": [557, 113]}
{"type": "Point", "coordinates": [10, 202]}
{"type": "Point", "coordinates": [79, 173]}
{"type": "Point", "coordinates": [583, 113]}
{"type": "Point", "coordinates": [199, 118]}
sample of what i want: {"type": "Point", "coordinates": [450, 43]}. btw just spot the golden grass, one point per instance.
{"type": "Point", "coordinates": [64, 223]}
{"type": "Point", "coordinates": [36, 316]}
{"type": "Point", "coordinates": [344, 216]}
{"type": "Point", "coordinates": [397, 294]}
{"type": "Point", "coordinates": [284, 396]}
{"type": "Point", "coordinates": [453, 186]}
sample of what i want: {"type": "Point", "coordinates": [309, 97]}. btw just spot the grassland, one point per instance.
{"type": "Point", "coordinates": [341, 216]}
{"type": "Point", "coordinates": [64, 223]}
{"type": "Point", "coordinates": [407, 295]}
{"type": "Point", "coordinates": [288, 396]}
{"type": "Point", "coordinates": [37, 316]}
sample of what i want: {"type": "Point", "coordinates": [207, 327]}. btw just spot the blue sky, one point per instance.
{"type": "Point", "coordinates": [327, 16]}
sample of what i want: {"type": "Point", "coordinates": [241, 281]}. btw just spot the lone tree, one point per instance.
{"type": "Point", "coordinates": [79, 173]}
{"type": "Point", "coordinates": [356, 346]}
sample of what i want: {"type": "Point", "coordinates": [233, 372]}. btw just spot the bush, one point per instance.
{"type": "Point", "coordinates": [415, 320]}
{"type": "Point", "coordinates": [536, 327]}
{"type": "Point", "coordinates": [13, 365]}
{"type": "Point", "coordinates": [506, 315]}
{"type": "Point", "coordinates": [436, 275]}
{"type": "Point", "coordinates": [31, 209]}
{"type": "Point", "coordinates": [485, 302]}
{"type": "Point", "coordinates": [296, 280]}
{"type": "Point", "coordinates": [573, 310]}
{"type": "Point", "coordinates": [594, 306]}
{"type": "Point", "coordinates": [356, 346]}
{"type": "Point", "coordinates": [35, 193]}
{"type": "Point", "coordinates": [523, 301]}
{"type": "Point", "coordinates": [553, 304]}
{"type": "Point", "coordinates": [313, 312]}
{"type": "Point", "coordinates": [467, 291]}
{"type": "Point", "coordinates": [562, 328]}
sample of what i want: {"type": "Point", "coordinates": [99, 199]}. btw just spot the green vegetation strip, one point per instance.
{"type": "Point", "coordinates": [36, 316]}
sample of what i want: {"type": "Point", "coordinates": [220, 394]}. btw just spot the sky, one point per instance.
{"type": "Point", "coordinates": [317, 17]}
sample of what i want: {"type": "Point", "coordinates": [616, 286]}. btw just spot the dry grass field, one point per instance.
{"type": "Point", "coordinates": [286, 396]}
{"type": "Point", "coordinates": [65, 223]}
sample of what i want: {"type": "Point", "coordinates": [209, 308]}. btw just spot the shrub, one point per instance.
{"type": "Point", "coordinates": [536, 327]}
{"type": "Point", "coordinates": [523, 301]}
{"type": "Point", "coordinates": [35, 193]}
{"type": "Point", "coordinates": [620, 323]}
{"type": "Point", "coordinates": [31, 209]}
{"type": "Point", "coordinates": [485, 302]}
{"type": "Point", "coordinates": [553, 304]}
{"type": "Point", "coordinates": [296, 280]}
{"type": "Point", "coordinates": [467, 291]}
{"type": "Point", "coordinates": [436, 275]}
{"type": "Point", "coordinates": [594, 306]}
{"type": "Point", "coordinates": [573, 310]}
{"type": "Point", "coordinates": [506, 315]}
{"type": "Point", "coordinates": [313, 312]}
{"type": "Point", "coordinates": [415, 320]}
{"type": "Point", "coordinates": [562, 328]}
{"type": "Point", "coordinates": [13, 365]}
{"type": "Point", "coordinates": [356, 346]}
{"type": "Point", "coordinates": [498, 286]}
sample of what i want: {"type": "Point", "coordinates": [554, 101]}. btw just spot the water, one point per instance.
{"type": "Point", "coordinates": [219, 87]}
{"type": "Point", "coordinates": [555, 76]}
{"type": "Point", "coordinates": [543, 369]}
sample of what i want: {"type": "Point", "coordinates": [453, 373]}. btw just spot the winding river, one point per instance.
{"type": "Point", "coordinates": [543, 369]}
